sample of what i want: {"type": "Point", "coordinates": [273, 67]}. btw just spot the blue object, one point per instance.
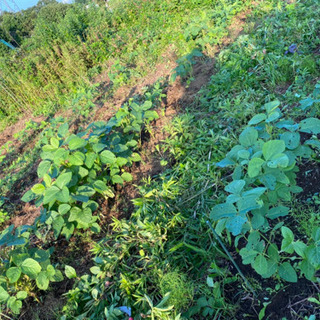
{"type": "Point", "coordinates": [126, 310]}
{"type": "Point", "coordinates": [7, 44]}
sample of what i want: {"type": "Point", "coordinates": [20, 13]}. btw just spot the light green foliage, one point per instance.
{"type": "Point", "coordinates": [179, 288]}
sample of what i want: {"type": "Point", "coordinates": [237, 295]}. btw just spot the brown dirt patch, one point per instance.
{"type": "Point", "coordinates": [8, 133]}
{"type": "Point", "coordinates": [26, 216]}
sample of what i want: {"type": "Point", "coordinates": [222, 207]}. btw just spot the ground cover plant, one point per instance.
{"type": "Point", "coordinates": [222, 231]}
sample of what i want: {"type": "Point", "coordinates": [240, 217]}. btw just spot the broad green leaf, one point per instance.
{"type": "Point", "coordinates": [225, 162]}
{"type": "Point", "coordinates": [316, 233]}
{"type": "Point", "coordinates": [277, 212]}
{"type": "Point", "coordinates": [98, 147]}
{"type": "Point", "coordinates": [107, 157]}
{"type": "Point", "coordinates": [257, 119]}
{"type": "Point", "coordinates": [70, 272]}
{"type": "Point", "coordinates": [271, 106]}
{"type": "Point", "coordinates": [248, 255]}
{"type": "Point", "coordinates": [21, 295]}
{"type": "Point", "coordinates": [248, 203]}
{"type": "Point", "coordinates": [83, 172]}
{"type": "Point", "coordinates": [135, 157]}
{"type": "Point", "coordinates": [38, 188]}
{"type": "Point", "coordinates": [272, 148]}
{"type": "Point", "coordinates": [42, 281]}
{"type": "Point", "coordinates": [58, 276]}
{"type": "Point", "coordinates": [223, 210]}
{"type": "Point", "coordinates": [100, 186]}
{"type": "Point", "coordinates": [57, 225]}
{"type": "Point", "coordinates": [63, 130]}
{"type": "Point", "coordinates": [287, 233]}
{"type": "Point", "coordinates": [77, 158]}
{"type": "Point", "coordinates": [210, 282]}
{"type": "Point", "coordinates": [54, 142]}
{"type": "Point", "coordinates": [257, 221]}
{"type": "Point", "coordinates": [284, 193]}
{"type": "Point", "coordinates": [60, 156]}
{"type": "Point", "coordinates": [86, 191]}
{"type": "Point", "coordinates": [85, 216]}
{"type": "Point", "coordinates": [300, 248]}
{"type": "Point", "coordinates": [4, 295]}
{"type": "Point", "coordinates": [272, 267]}
{"type": "Point", "coordinates": [254, 167]}
{"type": "Point", "coordinates": [90, 159]}
{"type": "Point", "coordinates": [126, 176]}
{"type": "Point", "coordinates": [63, 179]}
{"type": "Point", "coordinates": [29, 196]}
{"type": "Point", "coordinates": [121, 161]}
{"type": "Point", "coordinates": [310, 125]}
{"type": "Point", "coordinates": [235, 224]}
{"type": "Point", "coordinates": [64, 208]}
{"type": "Point", "coordinates": [273, 116]}
{"type": "Point", "coordinates": [47, 180]}
{"type": "Point", "coordinates": [235, 186]}
{"type": "Point", "coordinates": [50, 271]}
{"type": "Point", "coordinates": [287, 246]}
{"type": "Point", "coordinates": [244, 154]}
{"type": "Point", "coordinates": [313, 255]}
{"type": "Point", "coordinates": [74, 214]}
{"type": "Point", "coordinates": [303, 151]}
{"type": "Point", "coordinates": [269, 181]}
{"type": "Point", "coordinates": [273, 253]}
{"type": "Point", "coordinates": [67, 230]}
{"type": "Point", "coordinates": [13, 274]}
{"type": "Point", "coordinates": [291, 139]}
{"type": "Point", "coordinates": [76, 143]}
{"type": "Point", "coordinates": [49, 148]}
{"type": "Point", "coordinates": [248, 137]}
{"type": "Point", "coordinates": [307, 269]}
{"type": "Point", "coordinates": [63, 195]}
{"type": "Point", "coordinates": [43, 168]}
{"type": "Point", "coordinates": [31, 268]}
{"type": "Point", "coordinates": [120, 148]}
{"type": "Point", "coordinates": [14, 305]}
{"type": "Point", "coordinates": [287, 273]}
{"type": "Point", "coordinates": [280, 160]}
{"type": "Point", "coordinates": [95, 270]}
{"type": "Point", "coordinates": [116, 179]}
{"type": "Point", "coordinates": [260, 264]}
{"type": "Point", "coordinates": [257, 192]}
{"type": "Point", "coordinates": [50, 194]}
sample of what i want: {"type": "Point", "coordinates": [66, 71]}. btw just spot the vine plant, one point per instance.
{"type": "Point", "coordinates": [264, 179]}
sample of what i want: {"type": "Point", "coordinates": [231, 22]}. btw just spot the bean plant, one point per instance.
{"type": "Point", "coordinates": [76, 168]}
{"type": "Point", "coordinates": [265, 164]}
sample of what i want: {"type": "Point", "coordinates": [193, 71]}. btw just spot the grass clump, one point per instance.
{"type": "Point", "coordinates": [180, 288]}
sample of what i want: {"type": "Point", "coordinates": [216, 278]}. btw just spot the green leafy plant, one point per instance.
{"type": "Point", "coordinates": [264, 178]}
{"type": "Point", "coordinates": [75, 168]}
{"type": "Point", "coordinates": [23, 266]}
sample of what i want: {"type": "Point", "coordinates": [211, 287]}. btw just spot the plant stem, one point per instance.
{"type": "Point", "coordinates": [231, 259]}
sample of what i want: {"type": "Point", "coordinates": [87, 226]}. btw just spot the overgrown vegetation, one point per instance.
{"type": "Point", "coordinates": [223, 230]}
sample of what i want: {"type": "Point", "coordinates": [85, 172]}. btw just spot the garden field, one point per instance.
{"type": "Point", "coordinates": [160, 160]}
